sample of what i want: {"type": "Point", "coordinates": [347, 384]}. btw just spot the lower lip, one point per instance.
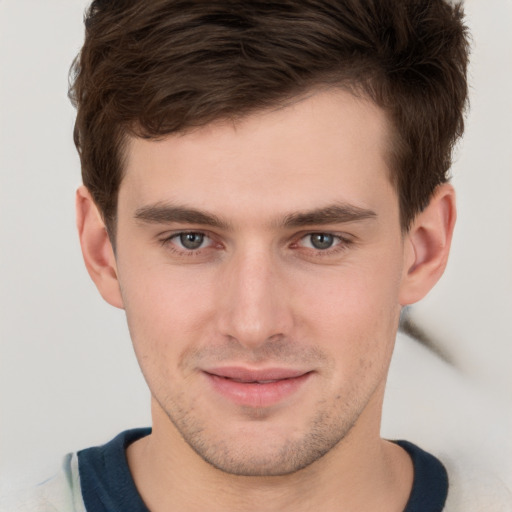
{"type": "Point", "coordinates": [256, 395]}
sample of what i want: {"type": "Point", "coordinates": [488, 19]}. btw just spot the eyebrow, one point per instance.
{"type": "Point", "coordinates": [161, 213]}
{"type": "Point", "coordinates": [334, 214]}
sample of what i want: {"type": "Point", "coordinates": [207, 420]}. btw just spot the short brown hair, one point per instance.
{"type": "Point", "coordinates": [152, 68]}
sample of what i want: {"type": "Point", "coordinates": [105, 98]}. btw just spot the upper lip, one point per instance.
{"type": "Point", "coordinates": [255, 375]}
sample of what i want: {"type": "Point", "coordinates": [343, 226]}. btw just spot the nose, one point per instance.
{"type": "Point", "coordinates": [254, 306]}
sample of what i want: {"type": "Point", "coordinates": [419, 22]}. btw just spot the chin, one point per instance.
{"type": "Point", "coordinates": [260, 452]}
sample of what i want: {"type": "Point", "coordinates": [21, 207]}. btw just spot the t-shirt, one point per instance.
{"type": "Point", "coordinates": [107, 484]}
{"type": "Point", "coordinates": [98, 479]}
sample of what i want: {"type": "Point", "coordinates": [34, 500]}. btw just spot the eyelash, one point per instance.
{"type": "Point", "coordinates": [168, 243]}
{"type": "Point", "coordinates": [343, 243]}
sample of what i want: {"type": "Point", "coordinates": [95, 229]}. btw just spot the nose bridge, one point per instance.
{"type": "Point", "coordinates": [253, 307]}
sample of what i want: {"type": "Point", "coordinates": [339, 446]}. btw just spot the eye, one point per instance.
{"type": "Point", "coordinates": [320, 241]}
{"type": "Point", "coordinates": [190, 241]}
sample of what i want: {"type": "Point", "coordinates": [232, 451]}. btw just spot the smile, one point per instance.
{"type": "Point", "coordinates": [254, 381]}
{"type": "Point", "coordinates": [256, 388]}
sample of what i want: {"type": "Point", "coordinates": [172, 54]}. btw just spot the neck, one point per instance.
{"type": "Point", "coordinates": [363, 472]}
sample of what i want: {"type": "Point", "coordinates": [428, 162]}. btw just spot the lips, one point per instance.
{"type": "Point", "coordinates": [256, 387]}
{"type": "Point", "coordinates": [257, 375]}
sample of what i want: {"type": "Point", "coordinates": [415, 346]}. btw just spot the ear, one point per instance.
{"type": "Point", "coordinates": [427, 245]}
{"type": "Point", "coordinates": [97, 249]}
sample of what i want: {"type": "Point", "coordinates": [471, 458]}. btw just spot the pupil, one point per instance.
{"type": "Point", "coordinates": [322, 241]}
{"type": "Point", "coordinates": [191, 240]}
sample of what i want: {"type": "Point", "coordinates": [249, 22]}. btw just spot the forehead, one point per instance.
{"type": "Point", "coordinates": [325, 148]}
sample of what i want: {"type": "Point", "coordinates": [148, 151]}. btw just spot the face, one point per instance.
{"type": "Point", "coordinates": [260, 265]}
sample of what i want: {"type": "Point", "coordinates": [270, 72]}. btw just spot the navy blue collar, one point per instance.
{"type": "Point", "coordinates": [105, 478]}
{"type": "Point", "coordinates": [430, 484]}
{"type": "Point", "coordinates": [108, 486]}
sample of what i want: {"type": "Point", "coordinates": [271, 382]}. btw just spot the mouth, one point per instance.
{"type": "Point", "coordinates": [258, 387]}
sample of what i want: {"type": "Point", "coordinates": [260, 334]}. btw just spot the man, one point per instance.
{"type": "Point", "coordinates": [265, 187]}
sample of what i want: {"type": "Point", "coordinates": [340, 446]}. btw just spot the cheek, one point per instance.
{"type": "Point", "coordinates": [355, 310]}
{"type": "Point", "coordinates": [351, 294]}
{"type": "Point", "coordinates": [164, 309]}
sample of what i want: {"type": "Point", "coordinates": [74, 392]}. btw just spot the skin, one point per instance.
{"type": "Point", "coordinates": [261, 291]}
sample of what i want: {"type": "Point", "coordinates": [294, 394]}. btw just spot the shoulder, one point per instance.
{"type": "Point", "coordinates": [60, 493]}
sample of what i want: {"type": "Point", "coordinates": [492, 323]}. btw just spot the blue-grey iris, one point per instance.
{"type": "Point", "coordinates": [322, 240]}
{"type": "Point", "coordinates": [191, 241]}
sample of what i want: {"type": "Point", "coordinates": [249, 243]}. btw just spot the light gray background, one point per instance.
{"type": "Point", "coordinates": [68, 378]}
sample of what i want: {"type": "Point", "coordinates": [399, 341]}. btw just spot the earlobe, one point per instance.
{"type": "Point", "coordinates": [97, 249]}
{"type": "Point", "coordinates": [427, 245]}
